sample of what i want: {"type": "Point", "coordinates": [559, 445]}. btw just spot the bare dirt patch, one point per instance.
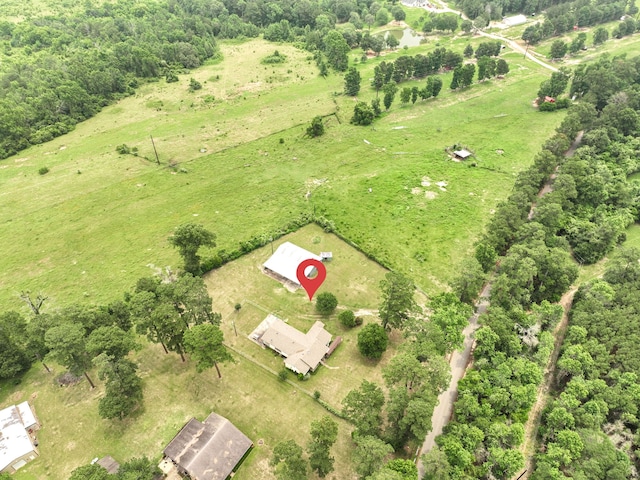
{"type": "Point", "coordinates": [430, 195]}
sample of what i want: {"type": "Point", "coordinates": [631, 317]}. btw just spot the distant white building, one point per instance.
{"type": "Point", "coordinates": [283, 264]}
{"type": "Point", "coordinates": [515, 20]}
{"type": "Point", "coordinates": [17, 424]}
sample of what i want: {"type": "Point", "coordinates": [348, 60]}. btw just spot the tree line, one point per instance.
{"type": "Point", "coordinates": [387, 75]}
{"type": "Point", "coordinates": [560, 16]}
{"type": "Point", "coordinates": [590, 427]}
{"type": "Point", "coordinates": [563, 17]}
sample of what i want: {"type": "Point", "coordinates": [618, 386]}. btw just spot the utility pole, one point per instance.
{"type": "Point", "coordinates": [154, 149]}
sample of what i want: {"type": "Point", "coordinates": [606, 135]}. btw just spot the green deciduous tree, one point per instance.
{"type": "Point", "coordinates": [390, 90]}
{"type": "Point", "coordinates": [347, 319]}
{"type": "Point", "coordinates": [111, 340]}
{"type": "Point", "coordinates": [397, 300]}
{"type": "Point", "coordinates": [316, 129]}
{"type": "Point", "coordinates": [326, 303]}
{"type": "Point", "coordinates": [578, 43]}
{"type": "Point", "coordinates": [205, 345]}
{"type": "Point", "coordinates": [336, 49]}
{"type": "Point", "coordinates": [139, 468]}
{"type": "Point", "coordinates": [435, 464]}
{"type": "Point", "coordinates": [324, 433]}
{"type": "Point", "coordinates": [370, 454]}
{"type": "Point", "coordinates": [362, 114]}
{"type": "Point", "coordinates": [67, 346]}
{"type": "Point", "coordinates": [14, 359]}
{"type": "Point", "coordinates": [466, 285]}
{"type": "Point", "coordinates": [288, 462]}
{"type": "Point", "coordinates": [405, 95]}
{"type": "Point", "coordinates": [372, 341]}
{"type": "Point", "coordinates": [188, 239]}
{"type": "Point", "coordinates": [352, 82]}
{"type": "Point", "coordinates": [451, 315]}
{"type": "Point", "coordinates": [600, 35]}
{"type": "Point", "coordinates": [558, 49]}
{"type": "Point", "coordinates": [406, 468]}
{"type": "Point", "coordinates": [363, 407]}
{"type": "Point", "coordinates": [502, 67]}
{"type": "Point", "coordinates": [123, 387]}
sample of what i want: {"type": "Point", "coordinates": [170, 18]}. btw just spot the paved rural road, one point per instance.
{"type": "Point", "coordinates": [459, 361]}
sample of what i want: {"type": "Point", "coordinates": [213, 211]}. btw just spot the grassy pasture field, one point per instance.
{"type": "Point", "coordinates": [91, 226]}
{"type": "Point", "coordinates": [249, 393]}
{"type": "Point", "coordinates": [97, 221]}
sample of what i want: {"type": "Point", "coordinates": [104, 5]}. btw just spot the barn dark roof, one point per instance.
{"type": "Point", "coordinates": [209, 450]}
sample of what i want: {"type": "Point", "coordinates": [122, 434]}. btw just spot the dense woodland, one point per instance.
{"type": "Point", "coordinates": [585, 216]}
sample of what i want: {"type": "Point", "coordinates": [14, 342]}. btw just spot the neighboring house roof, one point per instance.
{"type": "Point", "coordinates": [14, 437]}
{"type": "Point", "coordinates": [208, 450]}
{"type": "Point", "coordinates": [303, 351]}
{"type": "Point", "coordinates": [515, 20]}
{"type": "Point", "coordinates": [286, 259]}
{"type": "Point", "coordinates": [462, 153]}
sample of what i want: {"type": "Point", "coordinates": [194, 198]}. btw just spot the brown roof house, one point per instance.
{"type": "Point", "coordinates": [303, 352]}
{"type": "Point", "coordinates": [209, 450]}
{"type": "Point", "coordinates": [17, 444]}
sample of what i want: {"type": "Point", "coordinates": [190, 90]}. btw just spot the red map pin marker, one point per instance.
{"type": "Point", "coordinates": [311, 285]}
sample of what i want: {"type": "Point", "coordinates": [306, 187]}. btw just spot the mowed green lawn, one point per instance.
{"type": "Point", "coordinates": [249, 393]}
{"type": "Point", "coordinates": [90, 227]}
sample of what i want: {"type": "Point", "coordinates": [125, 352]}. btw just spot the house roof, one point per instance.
{"type": "Point", "coordinates": [303, 351]}
{"type": "Point", "coordinates": [14, 438]}
{"type": "Point", "coordinates": [286, 259]}
{"type": "Point", "coordinates": [208, 450]}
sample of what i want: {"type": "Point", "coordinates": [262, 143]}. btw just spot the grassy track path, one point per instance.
{"type": "Point", "coordinates": [535, 415]}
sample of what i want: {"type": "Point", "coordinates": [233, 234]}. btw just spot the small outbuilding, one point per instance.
{"type": "Point", "coordinates": [209, 450]}
{"type": "Point", "coordinates": [283, 264]}
{"type": "Point", "coordinates": [326, 256]}
{"type": "Point", "coordinates": [462, 154]}
{"type": "Point", "coordinates": [17, 442]}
